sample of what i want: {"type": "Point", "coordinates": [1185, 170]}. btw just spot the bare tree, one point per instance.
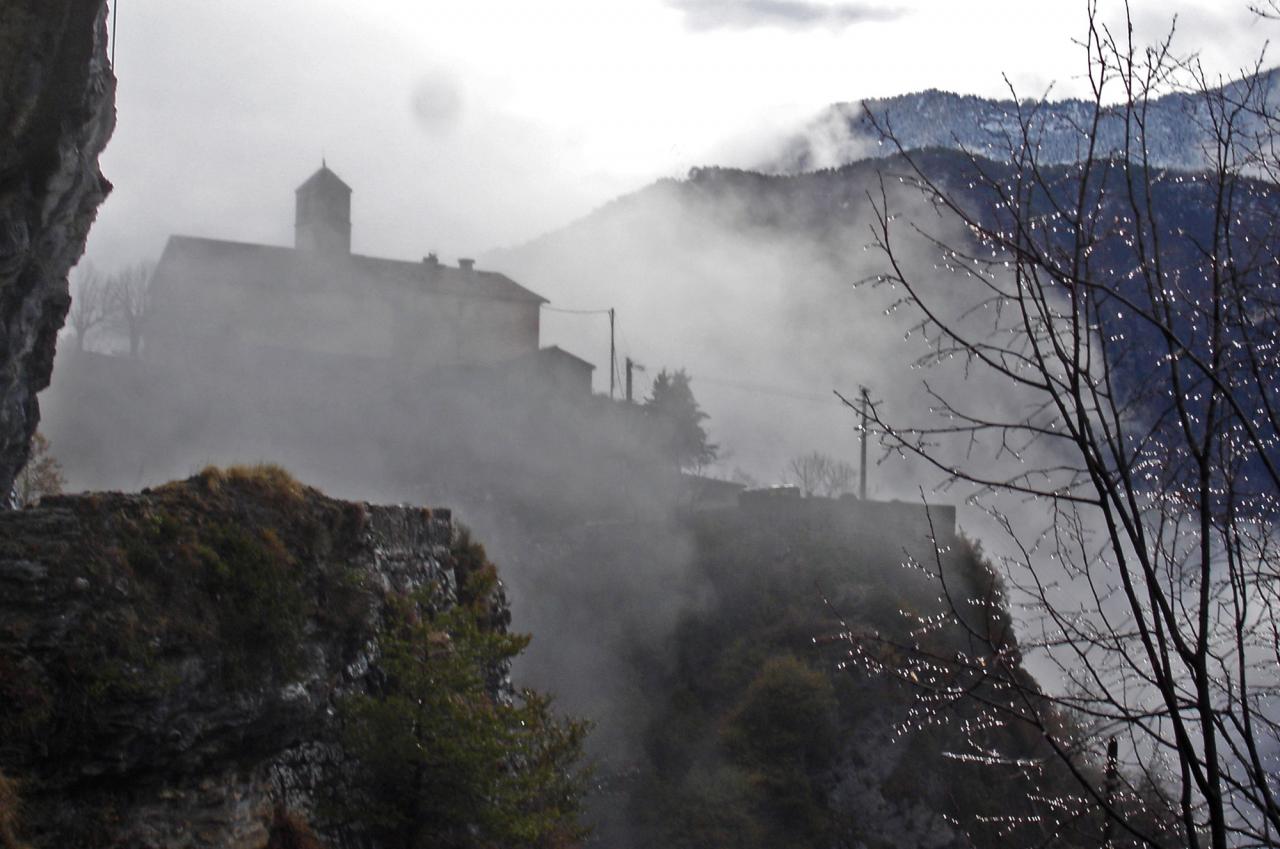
{"type": "Point", "coordinates": [129, 302]}
{"type": "Point", "coordinates": [41, 476]}
{"type": "Point", "coordinates": [808, 470]}
{"type": "Point", "coordinates": [90, 302]}
{"type": "Point", "coordinates": [819, 474]}
{"type": "Point", "coordinates": [1134, 313]}
{"type": "Point", "coordinates": [839, 479]}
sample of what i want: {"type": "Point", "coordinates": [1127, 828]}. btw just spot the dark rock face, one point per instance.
{"type": "Point", "coordinates": [172, 662]}
{"type": "Point", "coordinates": [57, 110]}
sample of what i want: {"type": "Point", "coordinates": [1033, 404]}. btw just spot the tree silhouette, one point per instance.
{"type": "Point", "coordinates": [679, 420]}
{"type": "Point", "coordinates": [1131, 315]}
{"type": "Point", "coordinates": [41, 476]}
{"type": "Point", "coordinates": [820, 474]}
{"type": "Point", "coordinates": [90, 302]}
{"type": "Point", "coordinates": [129, 302]}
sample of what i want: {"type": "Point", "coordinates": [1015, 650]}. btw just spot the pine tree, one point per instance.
{"type": "Point", "coordinates": [682, 437]}
{"type": "Point", "coordinates": [440, 755]}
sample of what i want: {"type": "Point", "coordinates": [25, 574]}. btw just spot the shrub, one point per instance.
{"type": "Point", "coordinates": [259, 602]}
{"type": "Point", "coordinates": [41, 476]}
{"type": "Point", "coordinates": [785, 717]}
{"type": "Point", "coordinates": [269, 478]}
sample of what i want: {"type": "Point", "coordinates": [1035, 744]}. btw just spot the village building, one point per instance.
{"type": "Point", "coordinates": [317, 301]}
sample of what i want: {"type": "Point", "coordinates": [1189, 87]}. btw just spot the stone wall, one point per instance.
{"type": "Point", "coordinates": [913, 525]}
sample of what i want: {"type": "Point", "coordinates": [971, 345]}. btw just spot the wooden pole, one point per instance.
{"type": "Point", "coordinates": [632, 367]}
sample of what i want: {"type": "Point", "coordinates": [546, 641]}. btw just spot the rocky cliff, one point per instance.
{"type": "Point", "coordinates": [173, 663]}
{"type": "Point", "coordinates": [57, 110]}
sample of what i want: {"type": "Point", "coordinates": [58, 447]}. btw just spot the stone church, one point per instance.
{"type": "Point", "coordinates": [317, 301]}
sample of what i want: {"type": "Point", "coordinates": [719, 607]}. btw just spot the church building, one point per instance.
{"type": "Point", "coordinates": [219, 300]}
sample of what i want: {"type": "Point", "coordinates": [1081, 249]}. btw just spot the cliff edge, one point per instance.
{"type": "Point", "coordinates": [57, 111]}
{"type": "Point", "coordinates": [177, 667]}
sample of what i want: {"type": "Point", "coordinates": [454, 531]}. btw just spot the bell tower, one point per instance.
{"type": "Point", "coordinates": [323, 220]}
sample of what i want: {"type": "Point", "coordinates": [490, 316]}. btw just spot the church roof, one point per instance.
{"type": "Point", "coordinates": [560, 353]}
{"type": "Point", "coordinates": [250, 267]}
{"type": "Point", "coordinates": [324, 178]}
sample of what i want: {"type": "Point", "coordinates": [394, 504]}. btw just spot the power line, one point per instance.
{"type": "Point", "coordinates": [575, 312]}
{"type": "Point", "coordinates": [755, 388]}
{"type": "Point", "coordinates": [613, 359]}
{"type": "Point", "coordinates": [760, 389]}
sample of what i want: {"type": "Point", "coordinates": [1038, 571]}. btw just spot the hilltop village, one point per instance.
{"type": "Point", "coordinates": [217, 303]}
{"type": "Point", "coordinates": [354, 367]}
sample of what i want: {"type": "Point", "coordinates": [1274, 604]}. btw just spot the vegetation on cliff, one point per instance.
{"type": "Point", "coordinates": [41, 476]}
{"type": "Point", "coordinates": [440, 758]}
{"type": "Point", "coordinates": [755, 730]}
{"type": "Point", "coordinates": [237, 636]}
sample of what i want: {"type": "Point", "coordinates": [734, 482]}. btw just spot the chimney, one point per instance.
{"type": "Point", "coordinates": [467, 265]}
{"type": "Point", "coordinates": [431, 261]}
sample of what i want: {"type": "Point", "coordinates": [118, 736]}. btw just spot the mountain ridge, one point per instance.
{"type": "Point", "coordinates": [845, 132]}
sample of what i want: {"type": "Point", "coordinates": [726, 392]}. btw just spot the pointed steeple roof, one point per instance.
{"type": "Point", "coordinates": [324, 178]}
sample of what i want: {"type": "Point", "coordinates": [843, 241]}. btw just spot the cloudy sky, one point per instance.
{"type": "Point", "coordinates": [466, 125]}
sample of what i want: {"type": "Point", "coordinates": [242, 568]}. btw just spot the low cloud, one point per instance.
{"type": "Point", "coordinates": [703, 15]}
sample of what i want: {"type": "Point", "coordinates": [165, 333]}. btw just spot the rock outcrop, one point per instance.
{"type": "Point", "coordinates": [57, 110]}
{"type": "Point", "coordinates": [172, 663]}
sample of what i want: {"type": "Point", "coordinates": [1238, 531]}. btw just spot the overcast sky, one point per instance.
{"type": "Point", "coordinates": [474, 124]}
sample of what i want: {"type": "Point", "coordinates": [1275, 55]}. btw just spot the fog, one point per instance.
{"type": "Point", "coordinates": [750, 284]}
{"type": "Point", "coordinates": [473, 126]}
{"type": "Point", "coordinates": [754, 285]}
{"type": "Point", "coordinates": [758, 287]}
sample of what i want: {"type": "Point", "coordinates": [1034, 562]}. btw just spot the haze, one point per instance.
{"type": "Point", "coordinates": [471, 126]}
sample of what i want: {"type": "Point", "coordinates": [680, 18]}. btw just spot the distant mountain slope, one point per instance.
{"type": "Point", "coordinates": [743, 279]}
{"type": "Point", "coordinates": [748, 281]}
{"type": "Point", "coordinates": [845, 132]}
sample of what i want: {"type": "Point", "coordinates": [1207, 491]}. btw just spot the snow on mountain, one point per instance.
{"type": "Point", "coordinates": [1176, 127]}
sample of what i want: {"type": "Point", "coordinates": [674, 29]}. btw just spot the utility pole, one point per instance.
{"type": "Point", "coordinates": [632, 365]}
{"type": "Point", "coordinates": [613, 364]}
{"type": "Point", "coordinates": [862, 470]}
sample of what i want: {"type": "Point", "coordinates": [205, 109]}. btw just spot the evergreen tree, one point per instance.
{"type": "Point", "coordinates": [441, 755]}
{"type": "Point", "coordinates": [679, 418]}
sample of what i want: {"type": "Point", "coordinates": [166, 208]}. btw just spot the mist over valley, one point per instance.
{"type": "Point", "coordinates": [907, 476]}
